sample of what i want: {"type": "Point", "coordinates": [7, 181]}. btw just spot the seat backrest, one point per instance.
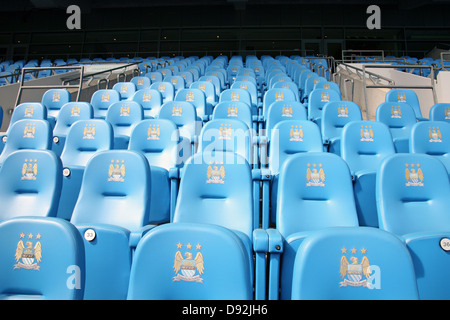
{"type": "Point", "coordinates": [184, 115]}
{"type": "Point", "coordinates": [29, 110]}
{"type": "Point", "coordinates": [158, 140]}
{"type": "Point", "coordinates": [84, 139]}
{"type": "Point", "coordinates": [335, 115]}
{"type": "Point", "coordinates": [353, 264]}
{"type": "Point", "coordinates": [115, 190]}
{"type": "Point", "coordinates": [276, 94]}
{"type": "Point", "coordinates": [154, 76]}
{"type": "Point", "coordinates": [315, 191]}
{"type": "Point", "coordinates": [161, 263]}
{"type": "Point", "coordinates": [188, 77]}
{"type": "Point", "coordinates": [412, 194]}
{"type": "Point", "coordinates": [195, 96]}
{"type": "Point", "coordinates": [399, 117]}
{"type": "Point", "coordinates": [215, 81]}
{"type": "Point", "coordinates": [150, 100]}
{"type": "Point", "coordinates": [233, 110]}
{"type": "Point", "coordinates": [328, 85]}
{"type": "Point", "coordinates": [125, 89]}
{"type": "Point", "coordinates": [364, 144]}
{"type": "Point", "coordinates": [207, 87]}
{"type": "Point", "coordinates": [290, 85]}
{"type": "Point", "coordinates": [27, 134]}
{"type": "Point", "coordinates": [219, 183]}
{"type": "Point", "coordinates": [177, 81]}
{"type": "Point", "coordinates": [141, 82]}
{"type": "Point", "coordinates": [226, 135]}
{"type": "Point", "coordinates": [47, 253]}
{"type": "Point", "coordinates": [289, 137]}
{"type": "Point", "coordinates": [284, 110]}
{"type": "Point", "coordinates": [431, 137]}
{"type": "Point", "coordinates": [166, 89]}
{"type": "Point", "coordinates": [236, 94]}
{"type": "Point", "coordinates": [30, 181]}
{"type": "Point", "coordinates": [250, 87]}
{"type": "Point", "coordinates": [54, 99]}
{"type": "Point", "coordinates": [440, 112]}
{"type": "Point", "coordinates": [123, 116]}
{"type": "Point", "coordinates": [101, 100]}
{"type": "Point", "coordinates": [405, 95]}
{"type": "Point", "coordinates": [69, 114]}
{"type": "Point", "coordinates": [318, 98]}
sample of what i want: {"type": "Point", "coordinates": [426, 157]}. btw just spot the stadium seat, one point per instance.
{"type": "Point", "coordinates": [43, 259]}
{"type": "Point", "coordinates": [101, 100]}
{"type": "Point", "coordinates": [364, 144]}
{"type": "Point", "coordinates": [215, 81]}
{"type": "Point", "coordinates": [290, 85]}
{"type": "Point", "coordinates": [273, 95]}
{"type": "Point", "coordinates": [353, 263]}
{"type": "Point", "coordinates": [221, 183]}
{"type": "Point", "coordinates": [335, 115]}
{"type": "Point", "coordinates": [440, 112]}
{"type": "Point", "coordinates": [166, 89]}
{"type": "Point", "coordinates": [141, 82]}
{"type": "Point", "coordinates": [234, 110]}
{"type": "Point", "coordinates": [159, 141]}
{"type": "Point", "coordinates": [84, 139]}
{"type": "Point", "coordinates": [287, 138]}
{"type": "Point", "coordinates": [68, 115]}
{"type": "Point", "coordinates": [283, 110]}
{"type": "Point", "coordinates": [177, 81]}
{"type": "Point", "coordinates": [252, 89]}
{"type": "Point", "coordinates": [27, 134]}
{"type": "Point", "coordinates": [30, 181]}
{"type": "Point", "coordinates": [314, 192]}
{"type": "Point", "coordinates": [430, 137]}
{"type": "Point", "coordinates": [318, 98]}
{"type": "Point", "coordinates": [412, 198]}
{"type": "Point", "coordinates": [198, 98]}
{"type": "Point", "coordinates": [210, 93]}
{"type": "Point", "coordinates": [406, 95]}
{"type": "Point", "coordinates": [113, 206]}
{"type": "Point", "coordinates": [238, 94]}
{"type": "Point", "coordinates": [150, 100]}
{"type": "Point", "coordinates": [155, 76]}
{"type": "Point", "coordinates": [125, 89]}
{"type": "Point", "coordinates": [400, 118]}
{"type": "Point", "coordinates": [54, 99]}
{"type": "Point", "coordinates": [123, 116]}
{"type": "Point", "coordinates": [186, 261]}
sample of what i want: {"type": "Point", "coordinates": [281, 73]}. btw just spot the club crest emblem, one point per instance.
{"type": "Point", "coordinates": [56, 97]}
{"type": "Point", "coordinates": [315, 177]}
{"type": "Point", "coordinates": [29, 131]}
{"type": "Point", "coordinates": [286, 111]}
{"type": "Point", "coordinates": [215, 173]}
{"type": "Point", "coordinates": [29, 111]}
{"type": "Point", "coordinates": [123, 89]}
{"type": "Point", "coordinates": [355, 273]}
{"type": "Point", "coordinates": [89, 131]}
{"type": "Point", "coordinates": [190, 96]}
{"type": "Point", "coordinates": [279, 96]}
{"type": "Point", "coordinates": [28, 255]}
{"type": "Point", "coordinates": [29, 169]}
{"type": "Point", "coordinates": [187, 268]}
{"type": "Point", "coordinates": [447, 113]}
{"type": "Point", "coordinates": [413, 175]}
{"type": "Point", "coordinates": [325, 97]}
{"type": "Point", "coordinates": [435, 134]}
{"type": "Point", "coordinates": [366, 133]}
{"type": "Point", "coordinates": [105, 97]}
{"type": "Point", "coordinates": [296, 133]}
{"type": "Point", "coordinates": [177, 111]}
{"type": "Point", "coordinates": [124, 111]}
{"type": "Point", "coordinates": [147, 97]}
{"type": "Point", "coordinates": [233, 111]}
{"type": "Point", "coordinates": [225, 132]}
{"type": "Point", "coordinates": [116, 171]}
{"type": "Point", "coordinates": [396, 112]}
{"type": "Point", "coordinates": [401, 97]}
{"type": "Point", "coordinates": [343, 111]}
{"type": "Point", "coordinates": [153, 132]}
{"type": "Point", "coordinates": [234, 96]}
{"type": "Point", "coordinates": [75, 112]}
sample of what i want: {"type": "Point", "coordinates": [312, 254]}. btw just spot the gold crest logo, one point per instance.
{"type": "Point", "coordinates": [202, 87]}
{"type": "Point", "coordinates": [174, 81]}
{"type": "Point", "coordinates": [153, 132]}
{"type": "Point", "coordinates": [296, 133]}
{"type": "Point", "coordinates": [447, 112]}
{"type": "Point", "coordinates": [123, 89]}
{"type": "Point", "coordinates": [105, 97]}
{"type": "Point", "coordinates": [279, 96]}
{"type": "Point", "coordinates": [29, 131]}
{"type": "Point", "coordinates": [140, 82]}
{"type": "Point", "coordinates": [177, 111]}
{"type": "Point", "coordinates": [153, 77]}
{"type": "Point", "coordinates": [188, 268]}
{"type": "Point", "coordinates": [233, 110]}
{"type": "Point", "coordinates": [343, 111]}
{"type": "Point", "coordinates": [89, 131]}
{"type": "Point", "coordinates": [147, 97]}
{"type": "Point", "coordinates": [286, 111]}
{"type": "Point", "coordinates": [225, 132]}
{"type": "Point", "coordinates": [215, 174]}
{"type": "Point", "coordinates": [434, 134]}
{"type": "Point", "coordinates": [401, 97]}
{"type": "Point", "coordinates": [366, 133]}
{"type": "Point", "coordinates": [413, 175]}
{"type": "Point", "coordinates": [315, 178]}
{"type": "Point", "coordinates": [56, 97]}
{"type": "Point", "coordinates": [162, 88]}
{"type": "Point", "coordinates": [29, 111]}
{"type": "Point", "coordinates": [117, 171]}
{"type": "Point", "coordinates": [396, 112]}
{"type": "Point", "coordinates": [29, 169]}
{"type": "Point", "coordinates": [75, 112]}
{"type": "Point", "coordinates": [235, 96]}
{"type": "Point", "coordinates": [28, 255]}
{"type": "Point", "coordinates": [325, 97]}
{"type": "Point", "coordinates": [355, 274]}
{"type": "Point", "coordinates": [190, 96]}
{"type": "Point", "coordinates": [124, 111]}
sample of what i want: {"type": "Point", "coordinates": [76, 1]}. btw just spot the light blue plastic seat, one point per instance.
{"type": "Point", "coordinates": [150, 100]}
{"type": "Point", "coordinates": [101, 100]}
{"type": "Point", "coordinates": [123, 116]}
{"type": "Point", "coordinates": [125, 89]}
{"type": "Point", "coordinates": [406, 95]}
